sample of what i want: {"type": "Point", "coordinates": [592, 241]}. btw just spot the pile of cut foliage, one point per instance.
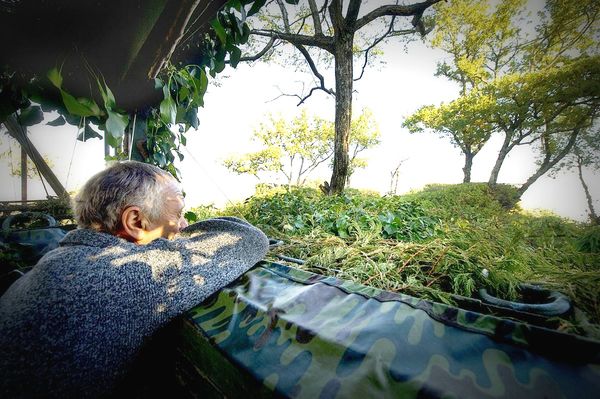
{"type": "Point", "coordinates": [443, 240]}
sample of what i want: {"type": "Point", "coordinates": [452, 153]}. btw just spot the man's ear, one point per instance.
{"type": "Point", "coordinates": [133, 224]}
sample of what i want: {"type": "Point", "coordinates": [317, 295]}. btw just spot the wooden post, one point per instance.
{"type": "Point", "coordinates": [19, 133]}
{"type": "Point", "coordinates": [23, 175]}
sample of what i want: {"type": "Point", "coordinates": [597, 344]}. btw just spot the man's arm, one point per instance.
{"type": "Point", "coordinates": [206, 257]}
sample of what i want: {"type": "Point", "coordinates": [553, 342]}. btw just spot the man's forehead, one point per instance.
{"type": "Point", "coordinates": [172, 187]}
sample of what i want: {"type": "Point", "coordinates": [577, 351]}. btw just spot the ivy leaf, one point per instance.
{"type": "Point", "coordinates": [112, 141]}
{"type": "Point", "coordinates": [234, 56]}
{"type": "Point", "coordinates": [168, 110]}
{"type": "Point", "coordinates": [107, 96]}
{"type": "Point", "coordinates": [219, 30]}
{"type": "Point", "coordinates": [116, 124]}
{"type": "Point", "coordinates": [245, 34]}
{"type": "Point", "coordinates": [55, 77]}
{"type": "Point", "coordinates": [191, 217]}
{"type": "Point", "coordinates": [31, 116]}
{"type": "Point", "coordinates": [160, 159]}
{"type": "Point", "coordinates": [191, 116]}
{"type": "Point", "coordinates": [88, 133]}
{"type": "Point", "coordinates": [235, 4]}
{"type": "Point", "coordinates": [256, 6]}
{"type": "Point", "coordinates": [80, 107]}
{"type": "Point", "coordinates": [184, 92]}
{"type": "Point", "coordinates": [57, 122]}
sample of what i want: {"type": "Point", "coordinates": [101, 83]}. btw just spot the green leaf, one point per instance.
{"type": "Point", "coordinates": [168, 111]}
{"type": "Point", "coordinates": [160, 159]}
{"type": "Point", "coordinates": [116, 124]}
{"type": "Point", "coordinates": [219, 30]}
{"type": "Point", "coordinates": [203, 81]}
{"type": "Point", "coordinates": [235, 54]}
{"type": "Point", "coordinates": [158, 84]}
{"type": "Point", "coordinates": [191, 116]}
{"type": "Point", "coordinates": [88, 133]}
{"type": "Point", "coordinates": [57, 122]}
{"type": "Point", "coordinates": [191, 217]}
{"type": "Point", "coordinates": [256, 6]}
{"type": "Point", "coordinates": [31, 116]}
{"type": "Point", "coordinates": [55, 77]}
{"type": "Point", "coordinates": [245, 34]}
{"type": "Point", "coordinates": [184, 92]}
{"type": "Point", "coordinates": [108, 97]}
{"type": "Point", "coordinates": [80, 107]}
{"type": "Point", "coordinates": [114, 142]}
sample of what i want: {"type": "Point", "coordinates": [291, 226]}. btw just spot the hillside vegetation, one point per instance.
{"type": "Point", "coordinates": [443, 240]}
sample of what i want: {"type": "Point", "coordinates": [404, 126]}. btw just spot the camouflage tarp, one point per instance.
{"type": "Point", "coordinates": [280, 331]}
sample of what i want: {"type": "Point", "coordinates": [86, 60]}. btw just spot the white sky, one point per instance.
{"type": "Point", "coordinates": [392, 91]}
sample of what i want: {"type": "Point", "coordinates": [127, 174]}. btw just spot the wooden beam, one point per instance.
{"type": "Point", "coordinates": [19, 133]}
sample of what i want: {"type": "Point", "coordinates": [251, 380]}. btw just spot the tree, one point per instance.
{"type": "Point", "coordinates": [465, 121]}
{"type": "Point", "coordinates": [540, 91]}
{"type": "Point", "coordinates": [364, 134]}
{"type": "Point", "coordinates": [296, 148]}
{"type": "Point", "coordinates": [332, 30]}
{"type": "Point", "coordinates": [585, 155]}
{"type": "Point", "coordinates": [293, 149]}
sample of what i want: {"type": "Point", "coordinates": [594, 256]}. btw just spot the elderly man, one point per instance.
{"type": "Point", "coordinates": [72, 326]}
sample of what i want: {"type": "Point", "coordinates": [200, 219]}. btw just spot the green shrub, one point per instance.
{"type": "Point", "coordinates": [432, 243]}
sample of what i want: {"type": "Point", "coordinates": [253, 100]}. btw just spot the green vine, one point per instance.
{"type": "Point", "coordinates": [182, 86]}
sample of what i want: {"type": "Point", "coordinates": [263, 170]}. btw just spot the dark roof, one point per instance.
{"type": "Point", "coordinates": [127, 42]}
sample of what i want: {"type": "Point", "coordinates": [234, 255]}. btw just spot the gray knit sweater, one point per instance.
{"type": "Point", "coordinates": [73, 324]}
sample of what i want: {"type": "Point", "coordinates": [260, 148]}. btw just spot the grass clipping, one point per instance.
{"type": "Point", "coordinates": [444, 240]}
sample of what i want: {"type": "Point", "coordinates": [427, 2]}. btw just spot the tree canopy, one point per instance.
{"type": "Point", "coordinates": [538, 88]}
{"type": "Point", "coordinates": [293, 149]}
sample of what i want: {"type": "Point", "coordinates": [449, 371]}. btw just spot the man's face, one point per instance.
{"type": "Point", "coordinates": [171, 221]}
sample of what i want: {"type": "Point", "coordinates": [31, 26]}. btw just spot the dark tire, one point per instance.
{"type": "Point", "coordinates": [544, 302]}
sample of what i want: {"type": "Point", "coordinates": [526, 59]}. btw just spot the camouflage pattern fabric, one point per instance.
{"type": "Point", "coordinates": [302, 335]}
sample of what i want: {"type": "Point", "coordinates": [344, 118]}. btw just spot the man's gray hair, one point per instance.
{"type": "Point", "coordinates": [107, 194]}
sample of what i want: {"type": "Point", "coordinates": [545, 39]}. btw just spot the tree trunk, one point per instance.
{"type": "Point", "coordinates": [468, 165]}
{"type": "Point", "coordinates": [343, 111]}
{"type": "Point", "coordinates": [548, 164]}
{"type": "Point", "coordinates": [592, 212]}
{"type": "Point", "coordinates": [504, 150]}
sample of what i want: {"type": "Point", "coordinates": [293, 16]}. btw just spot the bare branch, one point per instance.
{"type": "Point", "coordinates": [323, 42]}
{"type": "Point", "coordinates": [315, 72]}
{"type": "Point", "coordinates": [352, 13]}
{"type": "Point", "coordinates": [375, 43]}
{"type": "Point", "coordinates": [415, 10]}
{"type": "Point", "coordinates": [315, 17]}
{"type": "Point", "coordinates": [262, 52]}
{"type": "Point", "coordinates": [284, 16]}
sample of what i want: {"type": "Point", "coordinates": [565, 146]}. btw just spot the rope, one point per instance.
{"type": "Point", "coordinates": [81, 125]}
{"type": "Point", "coordinates": [211, 179]}
{"type": "Point", "coordinates": [132, 135]}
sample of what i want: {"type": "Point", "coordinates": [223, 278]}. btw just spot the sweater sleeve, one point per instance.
{"type": "Point", "coordinates": [206, 257]}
